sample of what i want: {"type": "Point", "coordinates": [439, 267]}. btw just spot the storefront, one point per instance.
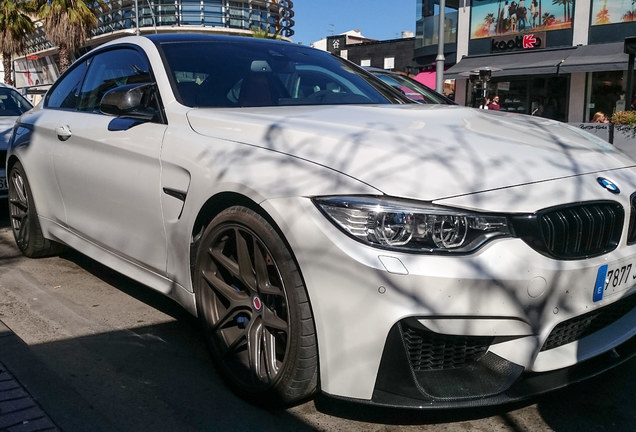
{"type": "Point", "coordinates": [526, 83]}
{"type": "Point", "coordinates": [560, 60]}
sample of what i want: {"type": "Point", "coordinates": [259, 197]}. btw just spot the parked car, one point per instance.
{"type": "Point", "coordinates": [412, 89]}
{"type": "Point", "coordinates": [330, 234]}
{"type": "Point", "coordinates": [12, 105]}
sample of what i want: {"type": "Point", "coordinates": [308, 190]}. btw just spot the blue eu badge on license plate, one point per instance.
{"type": "Point", "coordinates": [599, 287]}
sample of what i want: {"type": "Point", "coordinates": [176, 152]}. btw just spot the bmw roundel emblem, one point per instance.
{"type": "Point", "coordinates": [258, 304]}
{"type": "Point", "coordinates": [609, 185]}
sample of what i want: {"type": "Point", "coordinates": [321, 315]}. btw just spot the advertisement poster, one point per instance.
{"type": "Point", "coordinates": [613, 11]}
{"type": "Point", "coordinates": [498, 17]}
{"type": "Point", "coordinates": [34, 71]}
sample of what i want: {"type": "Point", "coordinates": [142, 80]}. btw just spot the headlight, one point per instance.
{"type": "Point", "coordinates": [411, 227]}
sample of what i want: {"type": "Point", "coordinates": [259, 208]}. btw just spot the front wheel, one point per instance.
{"type": "Point", "coordinates": [254, 306]}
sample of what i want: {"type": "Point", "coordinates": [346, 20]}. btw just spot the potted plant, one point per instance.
{"type": "Point", "coordinates": [624, 130]}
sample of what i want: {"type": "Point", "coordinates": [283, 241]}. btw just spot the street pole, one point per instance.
{"type": "Point", "coordinates": [630, 49]}
{"type": "Point", "coordinates": [439, 60]}
{"type": "Point", "coordinates": [630, 81]}
{"type": "Point", "coordinates": [136, 18]}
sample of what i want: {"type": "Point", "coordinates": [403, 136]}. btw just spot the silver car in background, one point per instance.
{"type": "Point", "coordinates": [12, 105]}
{"type": "Point", "coordinates": [411, 88]}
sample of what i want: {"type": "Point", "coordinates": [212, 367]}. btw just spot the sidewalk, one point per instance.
{"type": "Point", "coordinates": [33, 398]}
{"type": "Point", "coordinates": [19, 411]}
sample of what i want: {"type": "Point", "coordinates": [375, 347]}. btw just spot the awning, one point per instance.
{"type": "Point", "coordinates": [427, 78]}
{"type": "Point", "coordinates": [539, 62]}
{"type": "Point", "coordinates": [596, 58]}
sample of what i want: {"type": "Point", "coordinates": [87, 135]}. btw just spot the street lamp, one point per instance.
{"type": "Point", "coordinates": [136, 18]}
{"type": "Point", "coordinates": [439, 60]}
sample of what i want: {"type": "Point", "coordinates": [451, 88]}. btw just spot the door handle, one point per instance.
{"type": "Point", "coordinates": [63, 132]}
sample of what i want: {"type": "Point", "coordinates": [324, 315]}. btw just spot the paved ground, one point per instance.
{"type": "Point", "coordinates": [19, 412]}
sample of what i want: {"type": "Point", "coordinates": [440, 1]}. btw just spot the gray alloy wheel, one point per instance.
{"type": "Point", "coordinates": [255, 310]}
{"type": "Point", "coordinates": [24, 219]}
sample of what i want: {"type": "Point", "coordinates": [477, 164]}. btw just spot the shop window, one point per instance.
{"type": "Point", "coordinates": [606, 93]}
{"type": "Point", "coordinates": [389, 63]}
{"type": "Point", "coordinates": [539, 96]}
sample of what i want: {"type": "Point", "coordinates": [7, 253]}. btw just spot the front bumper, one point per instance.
{"type": "Point", "coordinates": [420, 369]}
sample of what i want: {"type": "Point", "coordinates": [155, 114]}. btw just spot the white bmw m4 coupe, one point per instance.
{"type": "Point", "coordinates": [331, 235]}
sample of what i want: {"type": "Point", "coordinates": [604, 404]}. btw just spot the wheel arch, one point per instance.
{"type": "Point", "coordinates": [12, 161]}
{"type": "Point", "coordinates": [215, 205]}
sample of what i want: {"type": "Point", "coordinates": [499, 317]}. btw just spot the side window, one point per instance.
{"type": "Point", "coordinates": [65, 93]}
{"type": "Point", "coordinates": [12, 103]}
{"type": "Point", "coordinates": [109, 70]}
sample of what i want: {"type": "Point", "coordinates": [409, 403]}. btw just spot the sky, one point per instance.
{"type": "Point", "coordinates": [376, 19]}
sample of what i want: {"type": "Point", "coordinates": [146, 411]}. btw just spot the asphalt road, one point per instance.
{"type": "Point", "coordinates": [100, 352]}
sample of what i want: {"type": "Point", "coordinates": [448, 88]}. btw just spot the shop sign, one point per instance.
{"type": "Point", "coordinates": [521, 42]}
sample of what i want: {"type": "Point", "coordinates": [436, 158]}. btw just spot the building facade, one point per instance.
{"type": "Point", "coordinates": [393, 54]}
{"type": "Point", "coordinates": [563, 59]}
{"type": "Point", "coordinates": [117, 18]}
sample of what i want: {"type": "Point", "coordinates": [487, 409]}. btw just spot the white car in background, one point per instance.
{"type": "Point", "coordinates": [330, 234]}
{"type": "Point", "coordinates": [12, 105]}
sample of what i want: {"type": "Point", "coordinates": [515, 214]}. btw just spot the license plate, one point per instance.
{"type": "Point", "coordinates": [3, 183]}
{"type": "Point", "coordinates": [613, 279]}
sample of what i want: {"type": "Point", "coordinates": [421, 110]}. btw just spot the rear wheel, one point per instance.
{"type": "Point", "coordinates": [24, 219]}
{"type": "Point", "coordinates": [253, 304]}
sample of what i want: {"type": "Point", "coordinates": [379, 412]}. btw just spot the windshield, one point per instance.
{"type": "Point", "coordinates": [256, 73]}
{"type": "Point", "coordinates": [12, 104]}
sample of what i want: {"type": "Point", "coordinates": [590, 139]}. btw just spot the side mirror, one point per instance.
{"type": "Point", "coordinates": [130, 101]}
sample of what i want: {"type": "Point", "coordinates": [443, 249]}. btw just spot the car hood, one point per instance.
{"type": "Point", "coordinates": [425, 152]}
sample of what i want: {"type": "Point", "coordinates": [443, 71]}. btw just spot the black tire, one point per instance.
{"type": "Point", "coordinates": [24, 219]}
{"type": "Point", "coordinates": [255, 310]}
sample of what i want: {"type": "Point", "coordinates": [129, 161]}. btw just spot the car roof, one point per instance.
{"type": "Point", "coordinates": [202, 37]}
{"type": "Point", "coordinates": [3, 85]}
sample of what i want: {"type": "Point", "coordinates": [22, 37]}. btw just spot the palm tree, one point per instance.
{"type": "Point", "coordinates": [15, 24]}
{"type": "Point", "coordinates": [631, 14]}
{"type": "Point", "coordinates": [565, 11]}
{"type": "Point", "coordinates": [489, 20]}
{"type": "Point", "coordinates": [568, 5]}
{"type": "Point", "coordinates": [67, 24]}
{"type": "Point", "coordinates": [548, 19]}
{"type": "Point", "coordinates": [603, 16]}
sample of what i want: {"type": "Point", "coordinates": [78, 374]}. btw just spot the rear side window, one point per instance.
{"type": "Point", "coordinates": [65, 93]}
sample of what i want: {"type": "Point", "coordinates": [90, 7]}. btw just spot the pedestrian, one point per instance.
{"type": "Point", "coordinates": [485, 104]}
{"type": "Point", "coordinates": [494, 105]}
{"type": "Point", "coordinates": [599, 117]}
{"type": "Point", "coordinates": [534, 12]}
